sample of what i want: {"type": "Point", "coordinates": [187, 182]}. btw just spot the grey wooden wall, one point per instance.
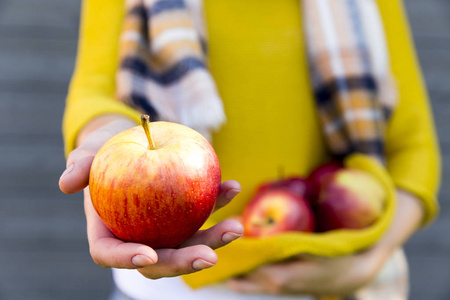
{"type": "Point", "coordinates": [43, 248]}
{"type": "Point", "coordinates": [429, 250]}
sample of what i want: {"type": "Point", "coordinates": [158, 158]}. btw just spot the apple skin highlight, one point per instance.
{"type": "Point", "coordinates": [158, 197]}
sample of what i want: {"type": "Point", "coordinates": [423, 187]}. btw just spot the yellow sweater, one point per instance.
{"type": "Point", "coordinates": [257, 57]}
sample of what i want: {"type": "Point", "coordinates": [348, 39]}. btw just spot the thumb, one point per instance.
{"type": "Point", "coordinates": [76, 176]}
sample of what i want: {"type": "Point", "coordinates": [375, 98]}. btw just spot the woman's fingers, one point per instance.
{"type": "Point", "coordinates": [108, 251]}
{"type": "Point", "coordinates": [245, 286]}
{"type": "Point", "coordinates": [228, 190]}
{"type": "Point", "coordinates": [218, 235]}
{"type": "Point", "coordinates": [271, 279]}
{"type": "Point", "coordinates": [176, 262]}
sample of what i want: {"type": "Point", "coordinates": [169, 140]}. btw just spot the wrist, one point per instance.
{"type": "Point", "coordinates": [408, 218]}
{"type": "Point", "coordinates": [380, 253]}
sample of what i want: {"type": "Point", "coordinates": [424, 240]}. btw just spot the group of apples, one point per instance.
{"type": "Point", "coordinates": [331, 197]}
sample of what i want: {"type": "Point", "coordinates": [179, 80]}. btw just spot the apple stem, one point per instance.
{"type": "Point", "coordinates": [145, 122]}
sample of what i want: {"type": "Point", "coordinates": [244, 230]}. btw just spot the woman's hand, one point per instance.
{"type": "Point", "coordinates": [107, 251]}
{"type": "Point", "coordinates": [318, 276]}
{"type": "Point", "coordinates": [337, 276]}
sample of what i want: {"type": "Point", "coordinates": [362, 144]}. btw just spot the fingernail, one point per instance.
{"type": "Point", "coordinates": [228, 237]}
{"type": "Point", "coordinates": [68, 170]}
{"type": "Point", "coordinates": [232, 193]}
{"type": "Point", "coordinates": [201, 264]}
{"type": "Point", "coordinates": [141, 261]}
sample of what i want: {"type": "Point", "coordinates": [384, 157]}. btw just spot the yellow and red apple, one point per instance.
{"type": "Point", "coordinates": [155, 186]}
{"type": "Point", "coordinates": [351, 199]}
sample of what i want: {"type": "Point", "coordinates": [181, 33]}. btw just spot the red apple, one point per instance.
{"type": "Point", "coordinates": [317, 176]}
{"type": "Point", "coordinates": [156, 190]}
{"type": "Point", "coordinates": [274, 211]}
{"type": "Point", "coordinates": [297, 185]}
{"type": "Point", "coordinates": [351, 199]}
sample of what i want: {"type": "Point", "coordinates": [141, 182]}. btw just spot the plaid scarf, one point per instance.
{"type": "Point", "coordinates": [163, 71]}
{"type": "Point", "coordinates": [162, 64]}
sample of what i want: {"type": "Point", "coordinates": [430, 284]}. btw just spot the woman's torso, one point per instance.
{"type": "Point", "coordinates": [258, 59]}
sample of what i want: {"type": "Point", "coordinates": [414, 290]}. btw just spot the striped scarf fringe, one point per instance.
{"type": "Point", "coordinates": [162, 65]}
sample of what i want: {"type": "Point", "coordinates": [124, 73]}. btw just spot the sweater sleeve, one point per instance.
{"type": "Point", "coordinates": [91, 91]}
{"type": "Point", "coordinates": [413, 157]}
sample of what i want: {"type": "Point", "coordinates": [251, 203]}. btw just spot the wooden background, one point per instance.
{"type": "Point", "coordinates": [43, 249]}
